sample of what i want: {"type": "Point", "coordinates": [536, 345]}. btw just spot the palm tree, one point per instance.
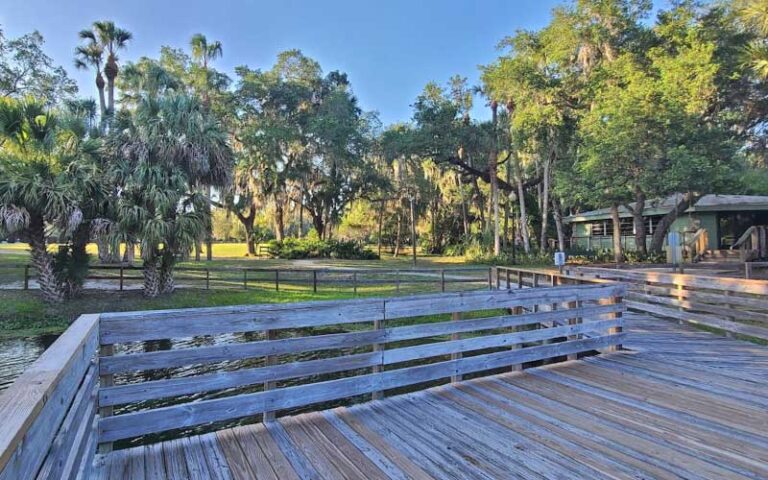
{"type": "Point", "coordinates": [755, 16]}
{"type": "Point", "coordinates": [162, 150]}
{"type": "Point", "coordinates": [109, 38]}
{"type": "Point", "coordinates": [43, 181]}
{"type": "Point", "coordinates": [92, 55]}
{"type": "Point", "coordinates": [203, 53]}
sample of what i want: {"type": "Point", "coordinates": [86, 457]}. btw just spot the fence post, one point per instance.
{"type": "Point", "coordinates": [615, 330]}
{"type": "Point", "coordinates": [354, 283]}
{"type": "Point", "coordinates": [277, 280]}
{"type": "Point", "coordinates": [314, 281]}
{"type": "Point", "coordinates": [269, 416]}
{"type": "Point", "coordinates": [455, 317]}
{"type": "Point", "coordinates": [245, 279]}
{"type": "Point", "coordinates": [442, 280]}
{"type": "Point", "coordinates": [26, 277]}
{"type": "Point", "coordinates": [207, 279]}
{"type": "Point", "coordinates": [121, 278]}
{"type": "Point", "coordinates": [378, 347]}
{"type": "Point", "coordinates": [397, 280]}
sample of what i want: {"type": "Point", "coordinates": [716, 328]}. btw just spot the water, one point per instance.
{"type": "Point", "coordinates": [16, 354]}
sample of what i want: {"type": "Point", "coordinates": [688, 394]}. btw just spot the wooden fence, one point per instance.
{"type": "Point", "coordinates": [48, 419]}
{"type": "Point", "coordinates": [122, 277]}
{"type": "Point", "coordinates": [733, 305]}
{"type": "Point", "coordinates": [387, 344]}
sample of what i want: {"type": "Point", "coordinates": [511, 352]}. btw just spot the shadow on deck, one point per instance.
{"type": "Point", "coordinates": [680, 403]}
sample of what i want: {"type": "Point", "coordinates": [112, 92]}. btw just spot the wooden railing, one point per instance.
{"type": "Point", "coordinates": [386, 345]}
{"type": "Point", "coordinates": [121, 277]}
{"type": "Point", "coordinates": [48, 422]}
{"type": "Point", "coordinates": [752, 243]}
{"type": "Point", "coordinates": [733, 305]}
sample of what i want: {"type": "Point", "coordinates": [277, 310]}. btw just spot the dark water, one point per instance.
{"type": "Point", "coordinates": [17, 354]}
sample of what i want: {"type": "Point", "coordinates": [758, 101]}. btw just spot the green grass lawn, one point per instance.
{"type": "Point", "coordinates": [24, 313]}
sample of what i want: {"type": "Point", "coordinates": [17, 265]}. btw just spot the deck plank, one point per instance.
{"type": "Point", "coordinates": [681, 404]}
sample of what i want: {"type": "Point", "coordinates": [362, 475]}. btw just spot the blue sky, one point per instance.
{"type": "Point", "coordinates": [389, 48]}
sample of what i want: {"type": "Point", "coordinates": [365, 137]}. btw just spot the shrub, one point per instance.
{"type": "Point", "coordinates": [313, 247]}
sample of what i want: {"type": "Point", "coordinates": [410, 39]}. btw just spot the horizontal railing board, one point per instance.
{"type": "Point", "coordinates": [699, 306]}
{"type": "Point", "coordinates": [121, 328]}
{"type": "Point", "coordinates": [218, 353]}
{"type": "Point", "coordinates": [740, 285]}
{"type": "Point", "coordinates": [30, 408]}
{"type": "Point", "coordinates": [159, 324]}
{"type": "Point", "coordinates": [417, 352]}
{"type": "Point", "coordinates": [187, 415]}
{"type": "Point", "coordinates": [135, 392]}
{"type": "Point", "coordinates": [700, 319]}
{"type": "Point", "coordinates": [80, 413]}
{"type": "Point", "coordinates": [488, 300]}
{"type": "Point", "coordinates": [754, 302]}
{"type": "Point", "coordinates": [234, 351]}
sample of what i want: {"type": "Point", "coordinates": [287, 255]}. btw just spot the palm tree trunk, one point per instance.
{"type": "Point", "coordinates": [167, 284]}
{"type": "Point", "coordinates": [43, 262]}
{"type": "Point", "coordinates": [152, 277]}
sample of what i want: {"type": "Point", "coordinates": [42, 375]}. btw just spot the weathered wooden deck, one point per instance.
{"type": "Point", "coordinates": [680, 403]}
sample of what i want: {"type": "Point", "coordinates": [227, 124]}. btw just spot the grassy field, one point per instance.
{"type": "Point", "coordinates": [23, 313]}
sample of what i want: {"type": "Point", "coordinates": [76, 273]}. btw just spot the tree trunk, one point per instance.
{"type": "Point", "coordinates": [318, 222]}
{"type": "Point", "coordinates": [43, 262]}
{"type": "Point", "coordinates": [660, 232]}
{"type": "Point", "coordinates": [130, 252]}
{"type": "Point", "coordinates": [77, 269]}
{"type": "Point", "coordinates": [102, 102]}
{"type": "Point", "coordinates": [618, 254]}
{"type": "Point", "coordinates": [545, 203]}
{"type": "Point", "coordinates": [152, 277]}
{"type": "Point", "coordinates": [167, 283]}
{"type": "Point", "coordinates": [250, 241]}
{"type": "Point", "coordinates": [639, 223]}
{"type": "Point", "coordinates": [381, 222]}
{"type": "Point", "coordinates": [464, 219]}
{"type": "Point", "coordinates": [398, 236]}
{"type": "Point", "coordinates": [279, 221]}
{"type": "Point", "coordinates": [247, 221]}
{"type": "Point", "coordinates": [413, 231]}
{"type": "Point", "coordinates": [523, 216]}
{"type": "Point", "coordinates": [558, 214]}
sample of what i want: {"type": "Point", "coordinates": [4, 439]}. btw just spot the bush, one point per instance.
{"type": "Point", "coordinates": [313, 247]}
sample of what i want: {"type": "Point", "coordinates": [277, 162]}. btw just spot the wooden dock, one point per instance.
{"type": "Point", "coordinates": [520, 382]}
{"type": "Point", "coordinates": [680, 403]}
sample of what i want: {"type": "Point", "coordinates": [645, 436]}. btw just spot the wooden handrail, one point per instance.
{"type": "Point", "coordinates": [48, 414]}
{"type": "Point", "coordinates": [744, 237]}
{"type": "Point", "coordinates": [371, 351]}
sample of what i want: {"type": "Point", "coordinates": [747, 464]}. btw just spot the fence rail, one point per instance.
{"type": "Point", "coordinates": [733, 305]}
{"type": "Point", "coordinates": [123, 277]}
{"type": "Point", "coordinates": [387, 344]}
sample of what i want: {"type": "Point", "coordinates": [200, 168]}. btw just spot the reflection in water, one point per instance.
{"type": "Point", "coordinates": [16, 354]}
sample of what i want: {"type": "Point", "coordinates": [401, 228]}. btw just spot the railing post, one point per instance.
{"type": "Point", "coordinates": [121, 278]}
{"type": "Point", "coordinates": [26, 277]}
{"type": "Point", "coordinates": [245, 279]}
{"type": "Point", "coordinates": [314, 281]}
{"type": "Point", "coordinates": [615, 330]}
{"type": "Point", "coordinates": [518, 366]}
{"type": "Point", "coordinates": [442, 280]}
{"type": "Point", "coordinates": [106, 381]}
{"type": "Point", "coordinates": [519, 279]}
{"type": "Point", "coordinates": [498, 279]}
{"type": "Point", "coordinates": [269, 416]}
{"type": "Point", "coordinates": [490, 278]}
{"type": "Point", "coordinates": [509, 287]}
{"type": "Point", "coordinates": [277, 280]}
{"type": "Point", "coordinates": [378, 347]}
{"type": "Point", "coordinates": [574, 321]}
{"type": "Point", "coordinates": [455, 317]}
{"type": "Point", "coordinates": [207, 279]}
{"type": "Point", "coordinates": [397, 281]}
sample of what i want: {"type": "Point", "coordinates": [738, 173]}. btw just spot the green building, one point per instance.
{"type": "Point", "coordinates": [719, 220]}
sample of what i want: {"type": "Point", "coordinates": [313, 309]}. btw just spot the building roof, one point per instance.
{"type": "Point", "coordinates": [662, 206]}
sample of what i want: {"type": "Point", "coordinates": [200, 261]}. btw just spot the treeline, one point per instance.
{"type": "Point", "coordinates": [603, 107]}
